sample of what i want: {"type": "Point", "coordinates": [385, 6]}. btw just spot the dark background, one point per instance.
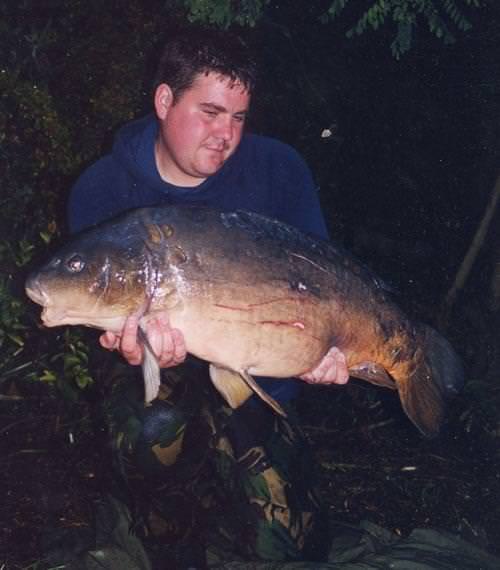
{"type": "Point", "coordinates": [405, 178]}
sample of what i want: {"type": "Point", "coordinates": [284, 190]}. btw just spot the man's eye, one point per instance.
{"type": "Point", "coordinates": [211, 113]}
{"type": "Point", "coordinates": [75, 264]}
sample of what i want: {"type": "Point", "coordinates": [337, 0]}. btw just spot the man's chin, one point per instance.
{"type": "Point", "coordinates": [210, 167]}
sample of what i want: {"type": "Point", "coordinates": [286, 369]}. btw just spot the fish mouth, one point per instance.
{"type": "Point", "coordinates": [52, 317]}
{"type": "Point", "coordinates": [54, 314]}
{"type": "Point", "coordinates": [36, 293]}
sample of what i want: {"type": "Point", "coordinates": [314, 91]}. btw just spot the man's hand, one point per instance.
{"type": "Point", "coordinates": [166, 342]}
{"type": "Point", "coordinates": [331, 370]}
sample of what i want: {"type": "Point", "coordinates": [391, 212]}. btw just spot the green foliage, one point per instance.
{"type": "Point", "coordinates": [35, 150]}
{"type": "Point", "coordinates": [69, 368]}
{"type": "Point", "coordinates": [25, 38]}
{"type": "Point", "coordinates": [440, 15]}
{"type": "Point", "coordinates": [57, 102]}
{"type": "Point", "coordinates": [224, 13]}
{"type": "Point", "coordinates": [11, 311]}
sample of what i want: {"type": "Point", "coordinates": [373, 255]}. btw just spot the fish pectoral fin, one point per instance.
{"type": "Point", "coordinates": [150, 368]}
{"type": "Point", "coordinates": [262, 393]}
{"type": "Point", "coordinates": [230, 385]}
{"type": "Point", "coordinates": [373, 373]}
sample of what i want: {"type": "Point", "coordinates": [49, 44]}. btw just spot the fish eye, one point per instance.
{"type": "Point", "coordinates": [75, 264]}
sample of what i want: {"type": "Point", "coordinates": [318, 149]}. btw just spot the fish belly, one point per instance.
{"type": "Point", "coordinates": [261, 344]}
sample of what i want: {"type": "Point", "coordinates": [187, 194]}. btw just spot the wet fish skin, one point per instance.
{"type": "Point", "coordinates": [252, 296]}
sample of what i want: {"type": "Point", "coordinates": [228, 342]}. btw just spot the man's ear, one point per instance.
{"type": "Point", "coordinates": [163, 100]}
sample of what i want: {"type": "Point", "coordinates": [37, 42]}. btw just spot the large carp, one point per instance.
{"type": "Point", "coordinates": [252, 296]}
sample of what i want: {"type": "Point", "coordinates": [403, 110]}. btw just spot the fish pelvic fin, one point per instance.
{"type": "Point", "coordinates": [150, 369]}
{"type": "Point", "coordinates": [237, 387]}
{"type": "Point", "coordinates": [436, 379]}
{"type": "Point", "coordinates": [262, 393]}
{"type": "Point", "coordinates": [230, 385]}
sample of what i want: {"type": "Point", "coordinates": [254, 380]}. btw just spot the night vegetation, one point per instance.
{"type": "Point", "coordinates": [396, 106]}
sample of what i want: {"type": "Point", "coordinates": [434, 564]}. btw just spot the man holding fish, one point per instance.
{"type": "Point", "coordinates": [187, 450]}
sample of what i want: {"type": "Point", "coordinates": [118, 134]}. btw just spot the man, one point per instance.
{"type": "Point", "coordinates": [195, 151]}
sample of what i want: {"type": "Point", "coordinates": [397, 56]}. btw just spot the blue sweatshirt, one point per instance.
{"type": "Point", "coordinates": [263, 176]}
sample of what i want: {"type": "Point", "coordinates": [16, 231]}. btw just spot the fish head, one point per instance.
{"type": "Point", "coordinates": [96, 280]}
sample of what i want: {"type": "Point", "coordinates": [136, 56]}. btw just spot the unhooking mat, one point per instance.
{"type": "Point", "coordinates": [366, 546]}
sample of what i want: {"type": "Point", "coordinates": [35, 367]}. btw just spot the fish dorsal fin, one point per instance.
{"type": "Point", "coordinates": [237, 387]}
{"type": "Point", "coordinates": [150, 368]}
{"type": "Point", "coordinates": [373, 373]}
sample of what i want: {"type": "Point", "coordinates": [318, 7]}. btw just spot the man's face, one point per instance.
{"type": "Point", "coordinates": [201, 130]}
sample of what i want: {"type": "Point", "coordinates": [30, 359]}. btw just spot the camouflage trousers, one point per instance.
{"type": "Point", "coordinates": [192, 468]}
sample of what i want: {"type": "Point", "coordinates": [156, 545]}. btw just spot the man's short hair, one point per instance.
{"type": "Point", "coordinates": [202, 51]}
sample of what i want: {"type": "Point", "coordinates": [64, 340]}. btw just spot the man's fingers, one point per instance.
{"type": "Point", "coordinates": [157, 337]}
{"type": "Point", "coordinates": [167, 343]}
{"type": "Point", "coordinates": [130, 349]}
{"type": "Point", "coordinates": [180, 352]}
{"type": "Point", "coordinates": [331, 370]}
{"type": "Point", "coordinates": [174, 349]}
{"type": "Point", "coordinates": [342, 371]}
{"type": "Point", "coordinates": [109, 340]}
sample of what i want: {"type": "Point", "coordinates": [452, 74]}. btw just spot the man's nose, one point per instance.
{"type": "Point", "coordinates": [225, 128]}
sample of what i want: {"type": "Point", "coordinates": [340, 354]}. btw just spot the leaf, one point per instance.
{"type": "Point", "coordinates": [48, 376]}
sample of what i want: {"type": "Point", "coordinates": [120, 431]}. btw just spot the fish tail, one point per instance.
{"type": "Point", "coordinates": [437, 377]}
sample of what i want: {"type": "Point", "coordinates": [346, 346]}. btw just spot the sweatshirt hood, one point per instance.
{"type": "Point", "coordinates": [134, 149]}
